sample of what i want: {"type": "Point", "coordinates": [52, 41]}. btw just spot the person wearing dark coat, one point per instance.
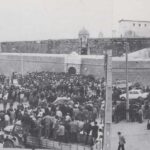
{"type": "Point", "coordinates": [94, 132]}
{"type": "Point", "coordinates": [86, 130]}
{"type": "Point", "coordinates": [148, 125]}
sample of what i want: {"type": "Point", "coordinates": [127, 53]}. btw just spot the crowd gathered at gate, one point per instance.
{"type": "Point", "coordinates": [63, 107]}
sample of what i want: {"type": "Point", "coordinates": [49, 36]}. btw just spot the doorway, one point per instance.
{"type": "Point", "coordinates": [72, 70]}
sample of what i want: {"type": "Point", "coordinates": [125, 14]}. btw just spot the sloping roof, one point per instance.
{"type": "Point", "coordinates": [140, 55]}
{"type": "Point", "coordinates": [123, 20]}
{"type": "Point", "coordinates": [143, 53]}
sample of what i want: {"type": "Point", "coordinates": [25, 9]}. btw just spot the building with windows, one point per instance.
{"type": "Point", "coordinates": [134, 28]}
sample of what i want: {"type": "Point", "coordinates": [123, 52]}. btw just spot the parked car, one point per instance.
{"type": "Point", "coordinates": [135, 94]}
{"type": "Point", "coordinates": [122, 84]}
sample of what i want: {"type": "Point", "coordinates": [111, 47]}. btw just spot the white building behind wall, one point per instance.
{"type": "Point", "coordinates": [134, 28]}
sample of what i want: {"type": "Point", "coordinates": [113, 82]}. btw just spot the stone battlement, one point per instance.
{"type": "Point", "coordinates": [66, 46]}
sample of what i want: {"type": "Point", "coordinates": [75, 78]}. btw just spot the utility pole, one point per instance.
{"type": "Point", "coordinates": [127, 48]}
{"type": "Point", "coordinates": [22, 68]}
{"type": "Point", "coordinates": [108, 101]}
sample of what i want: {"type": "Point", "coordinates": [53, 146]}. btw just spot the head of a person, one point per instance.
{"type": "Point", "coordinates": [100, 130]}
{"type": "Point", "coordinates": [119, 133]}
{"type": "Point", "coordinates": [61, 123]}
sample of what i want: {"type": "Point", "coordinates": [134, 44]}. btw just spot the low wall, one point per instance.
{"type": "Point", "coordinates": [29, 63]}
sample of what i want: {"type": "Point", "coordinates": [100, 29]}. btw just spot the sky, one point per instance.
{"type": "Point", "coordinates": [60, 19]}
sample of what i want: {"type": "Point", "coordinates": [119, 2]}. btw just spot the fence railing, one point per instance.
{"type": "Point", "coordinates": [55, 145]}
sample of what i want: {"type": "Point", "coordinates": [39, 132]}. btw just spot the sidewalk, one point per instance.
{"type": "Point", "coordinates": [136, 135]}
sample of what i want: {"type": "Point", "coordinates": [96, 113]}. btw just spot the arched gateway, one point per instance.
{"type": "Point", "coordinates": [72, 70]}
{"type": "Point", "coordinates": [72, 63]}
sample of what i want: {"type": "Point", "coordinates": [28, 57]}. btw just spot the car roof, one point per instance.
{"type": "Point", "coordinates": [135, 90]}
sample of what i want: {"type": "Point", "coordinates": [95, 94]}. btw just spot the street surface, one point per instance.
{"type": "Point", "coordinates": [136, 135]}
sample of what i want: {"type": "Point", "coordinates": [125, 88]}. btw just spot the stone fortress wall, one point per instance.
{"type": "Point", "coordinates": [66, 46]}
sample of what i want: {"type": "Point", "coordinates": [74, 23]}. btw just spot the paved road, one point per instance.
{"type": "Point", "coordinates": [137, 136]}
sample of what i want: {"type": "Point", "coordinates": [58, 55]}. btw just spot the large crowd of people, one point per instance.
{"type": "Point", "coordinates": [78, 105]}
{"type": "Point", "coordinates": [61, 106]}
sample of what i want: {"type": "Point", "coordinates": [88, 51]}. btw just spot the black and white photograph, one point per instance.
{"type": "Point", "coordinates": [75, 74]}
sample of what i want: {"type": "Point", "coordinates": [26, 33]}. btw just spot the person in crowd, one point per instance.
{"type": "Point", "coordinates": [39, 125]}
{"type": "Point", "coordinates": [94, 113]}
{"type": "Point", "coordinates": [67, 131]}
{"type": "Point", "coordinates": [47, 125]}
{"type": "Point", "coordinates": [5, 100]}
{"type": "Point", "coordinates": [101, 135]}
{"type": "Point", "coordinates": [59, 113]}
{"type": "Point", "coordinates": [11, 114]}
{"type": "Point", "coordinates": [43, 101]}
{"type": "Point", "coordinates": [2, 120]}
{"type": "Point", "coordinates": [94, 132]}
{"type": "Point", "coordinates": [86, 130]}
{"type": "Point", "coordinates": [74, 130]}
{"type": "Point", "coordinates": [55, 127]}
{"type": "Point", "coordinates": [61, 132]}
{"type": "Point", "coordinates": [140, 112]}
{"type": "Point", "coordinates": [7, 119]}
{"type": "Point", "coordinates": [67, 118]}
{"type": "Point", "coordinates": [102, 112]}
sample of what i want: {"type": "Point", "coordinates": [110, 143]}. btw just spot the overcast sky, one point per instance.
{"type": "Point", "coordinates": [57, 19]}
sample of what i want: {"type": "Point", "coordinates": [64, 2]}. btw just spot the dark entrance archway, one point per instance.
{"type": "Point", "coordinates": [72, 70]}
